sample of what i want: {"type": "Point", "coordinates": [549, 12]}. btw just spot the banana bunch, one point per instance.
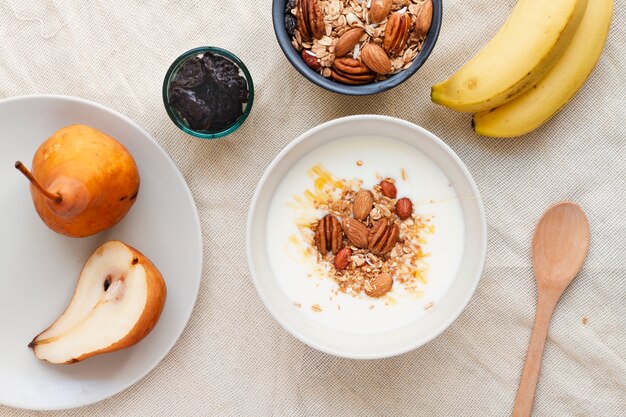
{"type": "Point", "coordinates": [526, 73]}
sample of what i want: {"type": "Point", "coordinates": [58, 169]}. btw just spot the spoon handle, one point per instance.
{"type": "Point", "coordinates": [530, 374]}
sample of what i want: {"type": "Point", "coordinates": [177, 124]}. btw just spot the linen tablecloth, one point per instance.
{"type": "Point", "coordinates": [234, 359]}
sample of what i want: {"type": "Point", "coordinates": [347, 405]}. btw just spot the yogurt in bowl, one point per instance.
{"type": "Point", "coordinates": [298, 287]}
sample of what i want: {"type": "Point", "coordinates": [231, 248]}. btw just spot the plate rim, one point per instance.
{"type": "Point", "coordinates": [196, 219]}
{"type": "Point", "coordinates": [483, 242]}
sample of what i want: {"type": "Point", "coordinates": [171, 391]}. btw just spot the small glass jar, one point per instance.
{"type": "Point", "coordinates": [179, 120]}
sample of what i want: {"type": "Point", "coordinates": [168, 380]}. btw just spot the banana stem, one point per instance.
{"type": "Point", "coordinates": [56, 197]}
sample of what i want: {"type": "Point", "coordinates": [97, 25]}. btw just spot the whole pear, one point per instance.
{"type": "Point", "coordinates": [82, 182]}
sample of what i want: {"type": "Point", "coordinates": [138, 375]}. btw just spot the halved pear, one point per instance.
{"type": "Point", "coordinates": [118, 300]}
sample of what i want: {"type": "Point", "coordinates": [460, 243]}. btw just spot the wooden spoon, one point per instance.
{"type": "Point", "coordinates": [559, 248]}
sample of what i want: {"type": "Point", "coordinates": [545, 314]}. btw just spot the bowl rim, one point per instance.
{"type": "Point", "coordinates": [174, 116]}
{"type": "Point", "coordinates": [284, 41]}
{"type": "Point", "coordinates": [445, 324]}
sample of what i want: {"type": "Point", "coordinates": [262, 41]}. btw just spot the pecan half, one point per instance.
{"type": "Point", "coordinates": [351, 71]}
{"type": "Point", "coordinates": [351, 66]}
{"type": "Point", "coordinates": [350, 79]}
{"type": "Point", "coordinates": [392, 238]}
{"type": "Point", "coordinates": [383, 237]}
{"type": "Point", "coordinates": [328, 235]}
{"type": "Point", "coordinates": [301, 18]}
{"type": "Point", "coordinates": [316, 19]}
{"type": "Point", "coordinates": [397, 32]}
{"type": "Point", "coordinates": [310, 20]}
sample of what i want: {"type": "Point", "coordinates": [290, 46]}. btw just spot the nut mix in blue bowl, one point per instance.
{"type": "Point", "coordinates": [357, 42]}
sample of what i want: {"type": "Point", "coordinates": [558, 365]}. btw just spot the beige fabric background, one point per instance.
{"type": "Point", "coordinates": [234, 359]}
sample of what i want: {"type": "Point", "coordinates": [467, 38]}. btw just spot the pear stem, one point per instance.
{"type": "Point", "coordinates": [56, 197]}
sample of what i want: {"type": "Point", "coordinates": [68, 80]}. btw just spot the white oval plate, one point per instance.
{"type": "Point", "coordinates": [40, 267]}
{"type": "Point", "coordinates": [392, 341]}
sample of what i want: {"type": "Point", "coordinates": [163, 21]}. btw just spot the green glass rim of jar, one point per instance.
{"type": "Point", "coordinates": [175, 117]}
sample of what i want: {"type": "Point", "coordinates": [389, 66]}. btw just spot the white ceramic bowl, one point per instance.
{"type": "Point", "coordinates": [394, 341]}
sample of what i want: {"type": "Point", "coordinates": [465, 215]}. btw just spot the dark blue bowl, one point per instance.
{"type": "Point", "coordinates": [278, 16]}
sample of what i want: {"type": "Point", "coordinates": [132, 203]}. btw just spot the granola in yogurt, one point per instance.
{"type": "Point", "coordinates": [367, 240]}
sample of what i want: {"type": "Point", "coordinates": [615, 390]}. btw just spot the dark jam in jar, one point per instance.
{"type": "Point", "coordinates": [208, 92]}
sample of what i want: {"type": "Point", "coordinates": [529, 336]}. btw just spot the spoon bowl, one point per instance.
{"type": "Point", "coordinates": [559, 249]}
{"type": "Point", "coordinates": [560, 246]}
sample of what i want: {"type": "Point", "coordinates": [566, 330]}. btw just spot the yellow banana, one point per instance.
{"type": "Point", "coordinates": [520, 54]}
{"type": "Point", "coordinates": [539, 104]}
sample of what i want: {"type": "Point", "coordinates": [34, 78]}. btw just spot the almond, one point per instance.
{"type": "Point", "coordinates": [356, 232]}
{"type": "Point", "coordinates": [424, 18]}
{"type": "Point", "coordinates": [379, 10]}
{"type": "Point", "coordinates": [347, 41]}
{"type": "Point", "coordinates": [388, 189]}
{"type": "Point", "coordinates": [363, 203]}
{"type": "Point", "coordinates": [404, 208]}
{"type": "Point", "coordinates": [379, 285]}
{"type": "Point", "coordinates": [376, 59]}
{"type": "Point", "coordinates": [342, 259]}
{"type": "Point", "coordinates": [397, 32]}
